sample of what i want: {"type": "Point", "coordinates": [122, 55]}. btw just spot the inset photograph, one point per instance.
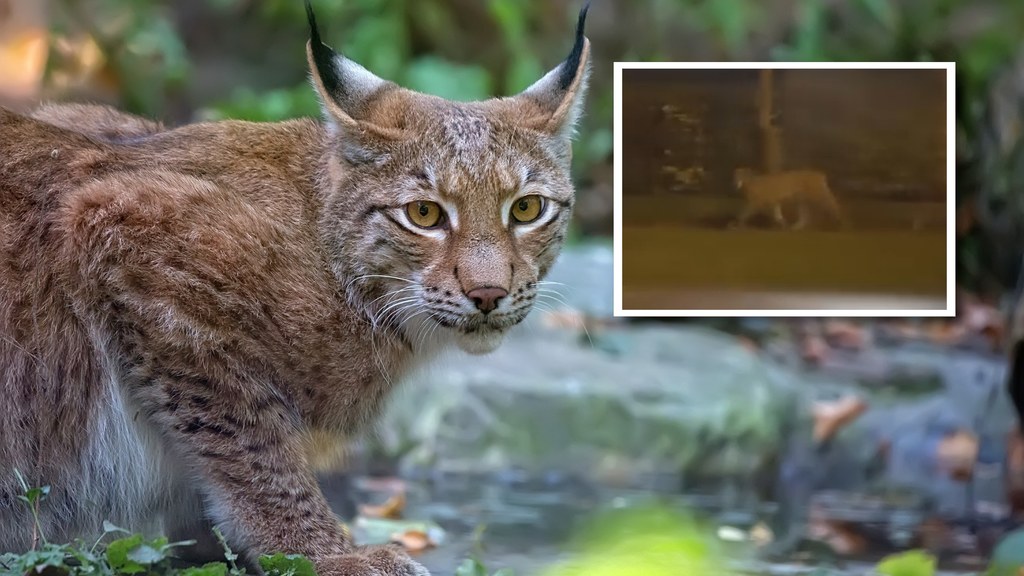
{"type": "Point", "coordinates": [784, 189]}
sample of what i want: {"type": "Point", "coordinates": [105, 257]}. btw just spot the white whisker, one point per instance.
{"type": "Point", "coordinates": [380, 276]}
{"type": "Point", "coordinates": [395, 309]}
{"type": "Point", "coordinates": [393, 293]}
{"type": "Point", "coordinates": [559, 299]}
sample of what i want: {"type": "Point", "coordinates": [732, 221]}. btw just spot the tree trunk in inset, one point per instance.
{"type": "Point", "coordinates": [771, 135]}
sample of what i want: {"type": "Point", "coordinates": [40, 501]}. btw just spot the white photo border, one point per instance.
{"type": "Point", "coordinates": [949, 67]}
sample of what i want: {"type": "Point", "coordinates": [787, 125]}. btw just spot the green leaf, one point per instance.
{"type": "Point", "coordinates": [511, 17]}
{"type": "Point", "coordinates": [363, 43]}
{"type": "Point", "coordinates": [287, 565]}
{"type": "Point", "coordinates": [117, 555]}
{"type": "Point", "coordinates": [731, 20]}
{"type": "Point", "coordinates": [50, 555]}
{"type": "Point", "coordinates": [270, 106]}
{"type": "Point", "coordinates": [882, 11]}
{"type": "Point", "coordinates": [912, 563]}
{"type": "Point", "coordinates": [810, 27]}
{"type": "Point", "coordinates": [471, 567]}
{"type": "Point", "coordinates": [109, 527]}
{"type": "Point", "coordinates": [211, 569]}
{"type": "Point", "coordinates": [35, 495]}
{"type": "Point", "coordinates": [600, 144]}
{"type": "Point", "coordinates": [145, 554]}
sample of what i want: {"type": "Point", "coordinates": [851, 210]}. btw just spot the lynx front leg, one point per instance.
{"type": "Point", "coordinates": [780, 220]}
{"type": "Point", "coordinates": [802, 219]}
{"type": "Point", "coordinates": [244, 445]}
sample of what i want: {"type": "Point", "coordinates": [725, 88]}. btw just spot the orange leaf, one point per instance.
{"type": "Point", "coordinates": [413, 540]}
{"type": "Point", "coordinates": [391, 508]}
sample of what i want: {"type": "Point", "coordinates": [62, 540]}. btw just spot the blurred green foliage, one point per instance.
{"type": "Point", "coordinates": [165, 57]}
{"type": "Point", "coordinates": [650, 540]}
{"type": "Point", "coordinates": [910, 563]}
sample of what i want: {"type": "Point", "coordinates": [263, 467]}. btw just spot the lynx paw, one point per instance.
{"type": "Point", "coordinates": [372, 561]}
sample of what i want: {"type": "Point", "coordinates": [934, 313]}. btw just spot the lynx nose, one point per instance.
{"type": "Point", "coordinates": [486, 298]}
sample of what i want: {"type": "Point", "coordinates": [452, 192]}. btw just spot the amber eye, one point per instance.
{"type": "Point", "coordinates": [424, 213]}
{"type": "Point", "coordinates": [527, 208]}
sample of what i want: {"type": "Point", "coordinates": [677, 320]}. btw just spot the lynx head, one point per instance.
{"type": "Point", "coordinates": [741, 176]}
{"type": "Point", "coordinates": [443, 216]}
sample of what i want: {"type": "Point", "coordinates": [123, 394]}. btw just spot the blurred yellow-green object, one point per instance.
{"type": "Point", "coordinates": [912, 563]}
{"type": "Point", "coordinates": [647, 541]}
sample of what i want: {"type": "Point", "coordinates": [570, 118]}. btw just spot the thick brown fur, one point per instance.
{"type": "Point", "coordinates": [767, 194]}
{"type": "Point", "coordinates": [97, 121]}
{"type": "Point", "coordinates": [186, 314]}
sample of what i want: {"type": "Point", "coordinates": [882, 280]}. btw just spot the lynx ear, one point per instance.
{"type": "Point", "coordinates": [343, 85]}
{"type": "Point", "coordinates": [559, 94]}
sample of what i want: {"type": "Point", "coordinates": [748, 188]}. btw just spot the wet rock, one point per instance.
{"type": "Point", "coordinates": [694, 403]}
{"type": "Point", "coordinates": [1008, 557]}
{"type": "Point", "coordinates": [573, 397]}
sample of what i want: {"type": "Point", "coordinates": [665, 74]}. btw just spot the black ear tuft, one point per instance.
{"type": "Point", "coordinates": [572, 63]}
{"type": "Point", "coordinates": [323, 56]}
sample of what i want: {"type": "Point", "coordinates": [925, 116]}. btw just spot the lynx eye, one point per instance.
{"type": "Point", "coordinates": [424, 213]}
{"type": "Point", "coordinates": [527, 209]}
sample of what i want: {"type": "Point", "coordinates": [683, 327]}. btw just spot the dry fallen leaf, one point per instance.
{"type": "Point", "coordinates": [946, 333]}
{"type": "Point", "coordinates": [842, 537]}
{"type": "Point", "coordinates": [391, 508]}
{"type": "Point", "coordinates": [413, 541]}
{"type": "Point", "coordinates": [761, 535]}
{"type": "Point", "coordinates": [749, 344]}
{"type": "Point", "coordinates": [957, 452]}
{"type": "Point", "coordinates": [1015, 472]}
{"type": "Point", "coordinates": [935, 535]}
{"type": "Point", "coordinates": [846, 334]}
{"type": "Point", "coordinates": [831, 417]}
{"type": "Point", "coordinates": [814, 349]}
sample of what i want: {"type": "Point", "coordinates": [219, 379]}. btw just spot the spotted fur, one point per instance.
{"type": "Point", "coordinates": [188, 315]}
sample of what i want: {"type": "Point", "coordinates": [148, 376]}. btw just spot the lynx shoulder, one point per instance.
{"type": "Point", "coordinates": [806, 190]}
{"type": "Point", "coordinates": [186, 314]}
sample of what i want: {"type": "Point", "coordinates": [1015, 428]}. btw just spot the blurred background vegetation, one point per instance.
{"type": "Point", "coordinates": [192, 60]}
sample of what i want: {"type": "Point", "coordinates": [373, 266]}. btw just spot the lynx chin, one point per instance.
{"type": "Point", "coordinates": [189, 317]}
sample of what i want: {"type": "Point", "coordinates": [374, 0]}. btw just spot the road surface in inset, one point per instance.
{"type": "Point", "coordinates": [674, 268]}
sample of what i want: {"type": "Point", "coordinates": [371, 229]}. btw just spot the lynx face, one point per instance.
{"type": "Point", "coordinates": [444, 216]}
{"type": "Point", "coordinates": [742, 175]}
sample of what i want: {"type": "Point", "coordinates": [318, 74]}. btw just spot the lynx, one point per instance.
{"type": "Point", "coordinates": [766, 194]}
{"type": "Point", "coordinates": [186, 314]}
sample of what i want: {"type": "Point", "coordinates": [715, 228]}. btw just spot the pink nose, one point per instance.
{"type": "Point", "coordinates": [486, 298]}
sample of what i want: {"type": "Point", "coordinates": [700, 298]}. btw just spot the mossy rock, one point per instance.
{"type": "Point", "coordinates": [1008, 557]}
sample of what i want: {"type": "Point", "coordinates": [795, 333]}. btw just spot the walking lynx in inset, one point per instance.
{"type": "Point", "coordinates": [767, 194]}
{"type": "Point", "coordinates": [186, 314]}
